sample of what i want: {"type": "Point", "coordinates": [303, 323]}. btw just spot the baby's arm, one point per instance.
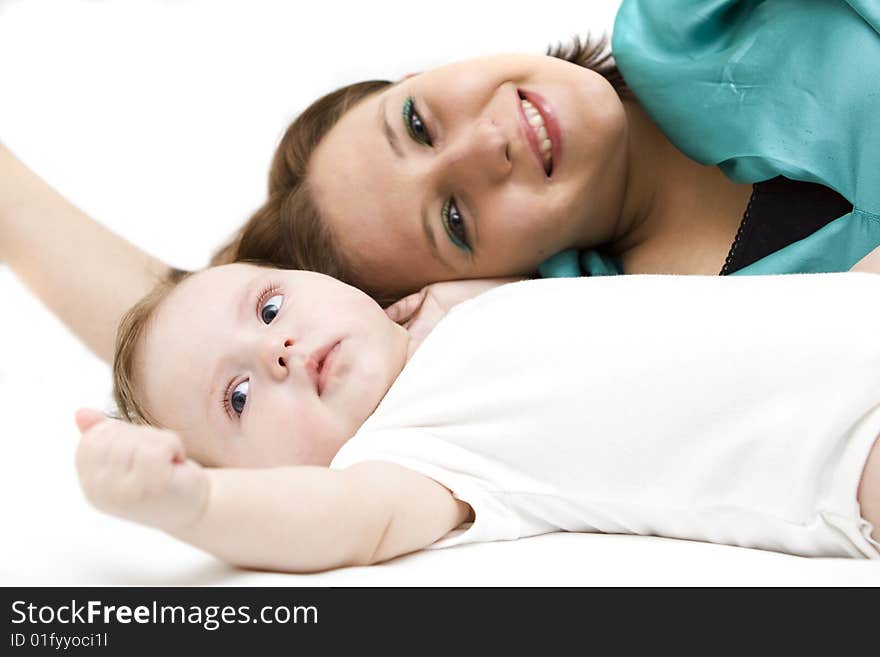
{"type": "Point", "coordinates": [83, 272]}
{"type": "Point", "coordinates": [303, 519]}
{"type": "Point", "coordinates": [297, 519]}
{"type": "Point", "coordinates": [869, 490]}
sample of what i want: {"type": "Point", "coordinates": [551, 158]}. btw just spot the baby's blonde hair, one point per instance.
{"type": "Point", "coordinates": [129, 336]}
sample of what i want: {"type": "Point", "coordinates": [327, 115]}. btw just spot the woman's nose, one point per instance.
{"type": "Point", "coordinates": [480, 153]}
{"type": "Point", "coordinates": [276, 355]}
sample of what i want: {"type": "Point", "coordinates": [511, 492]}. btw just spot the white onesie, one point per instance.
{"type": "Point", "coordinates": [735, 410]}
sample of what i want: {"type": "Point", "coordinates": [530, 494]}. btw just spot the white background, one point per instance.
{"type": "Point", "coordinates": [159, 119]}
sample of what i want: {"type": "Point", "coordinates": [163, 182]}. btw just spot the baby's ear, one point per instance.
{"type": "Point", "coordinates": [401, 312]}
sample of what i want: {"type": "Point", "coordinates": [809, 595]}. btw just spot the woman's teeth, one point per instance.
{"type": "Point", "coordinates": [537, 122]}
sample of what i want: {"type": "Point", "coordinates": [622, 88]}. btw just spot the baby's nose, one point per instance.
{"type": "Point", "coordinates": [277, 356]}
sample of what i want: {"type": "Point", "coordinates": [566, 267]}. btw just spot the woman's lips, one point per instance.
{"type": "Point", "coordinates": [551, 124]}
{"type": "Point", "coordinates": [325, 366]}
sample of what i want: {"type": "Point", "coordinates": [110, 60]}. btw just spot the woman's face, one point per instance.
{"type": "Point", "coordinates": [476, 169]}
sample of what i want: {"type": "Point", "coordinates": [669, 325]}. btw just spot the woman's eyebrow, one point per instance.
{"type": "Point", "coordinates": [386, 128]}
{"type": "Point", "coordinates": [429, 236]}
{"type": "Point", "coordinates": [426, 220]}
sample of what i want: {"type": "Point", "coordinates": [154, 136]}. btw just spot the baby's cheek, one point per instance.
{"type": "Point", "coordinates": [314, 437]}
{"type": "Point", "coordinates": [203, 447]}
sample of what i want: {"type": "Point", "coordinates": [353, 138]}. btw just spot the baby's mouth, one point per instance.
{"type": "Point", "coordinates": [325, 365]}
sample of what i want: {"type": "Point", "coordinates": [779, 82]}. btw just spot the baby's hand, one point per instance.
{"type": "Point", "coordinates": [139, 473]}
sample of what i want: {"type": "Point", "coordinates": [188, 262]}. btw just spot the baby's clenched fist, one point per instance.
{"type": "Point", "coordinates": [139, 473]}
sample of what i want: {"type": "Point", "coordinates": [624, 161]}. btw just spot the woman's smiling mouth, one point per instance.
{"type": "Point", "coordinates": [536, 123]}
{"type": "Point", "coordinates": [541, 128]}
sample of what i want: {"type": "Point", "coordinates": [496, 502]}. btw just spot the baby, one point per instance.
{"type": "Point", "coordinates": [304, 429]}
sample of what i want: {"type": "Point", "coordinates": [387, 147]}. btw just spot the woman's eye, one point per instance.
{"type": "Point", "coordinates": [238, 398]}
{"type": "Point", "coordinates": [453, 222]}
{"type": "Point", "coordinates": [414, 124]}
{"type": "Point", "coordinates": [270, 308]}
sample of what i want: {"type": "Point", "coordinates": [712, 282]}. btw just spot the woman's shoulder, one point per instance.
{"type": "Point", "coordinates": [686, 25]}
{"type": "Point", "coordinates": [761, 88]}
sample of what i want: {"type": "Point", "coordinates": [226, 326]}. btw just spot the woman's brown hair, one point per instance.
{"type": "Point", "coordinates": [594, 54]}
{"type": "Point", "coordinates": [287, 230]}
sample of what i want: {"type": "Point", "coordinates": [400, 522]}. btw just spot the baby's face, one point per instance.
{"type": "Point", "coordinates": [265, 367]}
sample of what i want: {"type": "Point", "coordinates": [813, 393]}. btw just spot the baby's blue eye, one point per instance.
{"type": "Point", "coordinates": [270, 308]}
{"type": "Point", "coordinates": [238, 398]}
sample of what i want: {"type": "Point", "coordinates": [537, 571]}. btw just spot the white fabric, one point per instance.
{"type": "Point", "coordinates": [733, 410]}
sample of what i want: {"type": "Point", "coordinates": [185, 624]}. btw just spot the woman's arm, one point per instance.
{"type": "Point", "coordinates": [87, 275]}
{"type": "Point", "coordinates": [870, 263]}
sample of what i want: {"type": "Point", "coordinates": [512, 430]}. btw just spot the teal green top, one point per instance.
{"type": "Point", "coordinates": [763, 88]}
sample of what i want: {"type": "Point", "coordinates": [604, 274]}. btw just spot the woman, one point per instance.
{"type": "Point", "coordinates": [752, 147]}
{"type": "Point", "coordinates": [363, 189]}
